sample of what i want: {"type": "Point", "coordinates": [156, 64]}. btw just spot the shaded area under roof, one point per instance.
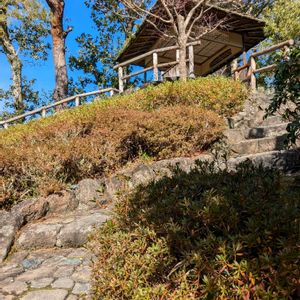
{"type": "Point", "coordinates": [251, 30]}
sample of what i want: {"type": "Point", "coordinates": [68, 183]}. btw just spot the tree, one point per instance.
{"type": "Point", "coordinates": [23, 27]}
{"type": "Point", "coordinates": [287, 93]}
{"type": "Point", "coordinates": [283, 20]}
{"type": "Point", "coordinates": [59, 36]}
{"type": "Point", "coordinates": [115, 24]}
{"type": "Point", "coordinates": [257, 7]}
{"type": "Point", "coordinates": [283, 23]}
{"type": "Point", "coordinates": [180, 20]}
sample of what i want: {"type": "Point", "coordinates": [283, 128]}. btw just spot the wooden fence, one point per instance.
{"type": "Point", "coordinates": [42, 111]}
{"type": "Point", "coordinates": [250, 68]}
{"type": "Point", "coordinates": [155, 65]}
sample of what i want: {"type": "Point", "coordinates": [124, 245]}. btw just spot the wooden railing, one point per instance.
{"type": "Point", "coordinates": [155, 65]}
{"type": "Point", "coordinates": [250, 68]}
{"type": "Point", "coordinates": [42, 111]}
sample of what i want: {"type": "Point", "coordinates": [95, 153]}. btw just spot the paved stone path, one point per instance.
{"type": "Point", "coordinates": [41, 244]}
{"type": "Point", "coordinates": [51, 274]}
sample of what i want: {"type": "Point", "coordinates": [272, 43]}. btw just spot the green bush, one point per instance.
{"type": "Point", "coordinates": [287, 93]}
{"type": "Point", "coordinates": [220, 94]}
{"type": "Point", "coordinates": [209, 234]}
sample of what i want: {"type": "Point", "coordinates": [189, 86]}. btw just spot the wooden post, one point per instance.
{"type": "Point", "coordinates": [286, 53]}
{"type": "Point", "coordinates": [43, 113]}
{"type": "Point", "coordinates": [191, 62]}
{"type": "Point", "coordinates": [244, 72]}
{"type": "Point", "coordinates": [252, 74]}
{"type": "Point", "coordinates": [177, 59]}
{"type": "Point", "coordinates": [244, 57]}
{"type": "Point", "coordinates": [111, 92]}
{"type": "Point", "coordinates": [5, 125]}
{"type": "Point", "coordinates": [155, 67]}
{"type": "Point", "coordinates": [124, 74]}
{"type": "Point", "coordinates": [77, 101]}
{"type": "Point", "coordinates": [145, 78]}
{"type": "Point", "coordinates": [121, 82]}
{"type": "Point", "coordinates": [234, 73]}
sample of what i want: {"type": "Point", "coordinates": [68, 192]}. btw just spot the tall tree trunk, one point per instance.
{"type": "Point", "coordinates": [182, 43]}
{"type": "Point", "coordinates": [16, 67]}
{"type": "Point", "coordinates": [59, 50]}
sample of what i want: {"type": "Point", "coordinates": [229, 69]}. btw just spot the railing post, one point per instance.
{"type": "Point", "coordinates": [155, 66]}
{"type": "Point", "coordinates": [177, 59]}
{"type": "Point", "coordinates": [191, 62]}
{"type": "Point", "coordinates": [111, 92]}
{"type": "Point", "coordinates": [252, 73]}
{"type": "Point", "coordinates": [5, 125]}
{"type": "Point", "coordinates": [121, 82]}
{"type": "Point", "coordinates": [234, 73]}
{"type": "Point", "coordinates": [43, 113]}
{"type": "Point", "coordinates": [77, 101]}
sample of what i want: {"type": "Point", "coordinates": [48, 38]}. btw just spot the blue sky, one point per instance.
{"type": "Point", "coordinates": [77, 16]}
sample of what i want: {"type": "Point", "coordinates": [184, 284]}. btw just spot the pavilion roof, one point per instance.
{"type": "Point", "coordinates": [146, 36]}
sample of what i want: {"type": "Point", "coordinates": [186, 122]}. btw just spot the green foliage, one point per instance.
{"type": "Point", "coordinates": [220, 94]}
{"type": "Point", "coordinates": [283, 20]}
{"type": "Point", "coordinates": [257, 7]}
{"type": "Point", "coordinates": [27, 23]}
{"type": "Point", "coordinates": [30, 96]}
{"type": "Point", "coordinates": [44, 156]}
{"type": "Point", "coordinates": [97, 54]}
{"type": "Point", "coordinates": [287, 93]}
{"type": "Point", "coordinates": [209, 234]}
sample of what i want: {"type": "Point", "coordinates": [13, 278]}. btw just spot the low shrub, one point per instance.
{"type": "Point", "coordinates": [172, 119]}
{"type": "Point", "coordinates": [209, 234]}
{"type": "Point", "coordinates": [67, 151]}
{"type": "Point", "coordinates": [220, 94]}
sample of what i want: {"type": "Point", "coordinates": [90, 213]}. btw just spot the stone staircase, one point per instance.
{"type": "Point", "coordinates": [251, 133]}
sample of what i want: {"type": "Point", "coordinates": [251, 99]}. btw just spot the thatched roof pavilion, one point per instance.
{"type": "Point", "coordinates": [213, 51]}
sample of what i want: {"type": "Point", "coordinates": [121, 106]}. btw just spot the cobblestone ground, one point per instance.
{"type": "Point", "coordinates": [51, 274]}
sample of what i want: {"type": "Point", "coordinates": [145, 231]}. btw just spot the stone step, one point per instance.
{"type": "Point", "coordinates": [284, 160]}
{"type": "Point", "coordinates": [274, 120]}
{"type": "Point", "coordinates": [266, 131]}
{"type": "Point", "coordinates": [62, 231]}
{"type": "Point", "coordinates": [238, 135]}
{"type": "Point", "coordinates": [260, 145]}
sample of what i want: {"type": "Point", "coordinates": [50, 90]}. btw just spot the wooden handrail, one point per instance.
{"type": "Point", "coordinates": [137, 73]}
{"type": "Point", "coordinates": [288, 43]}
{"type": "Point", "coordinates": [265, 51]}
{"type": "Point", "coordinates": [151, 52]}
{"type": "Point", "coordinates": [44, 109]}
{"type": "Point", "coordinates": [239, 69]}
{"type": "Point", "coordinates": [265, 69]}
{"type": "Point", "coordinates": [251, 64]}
